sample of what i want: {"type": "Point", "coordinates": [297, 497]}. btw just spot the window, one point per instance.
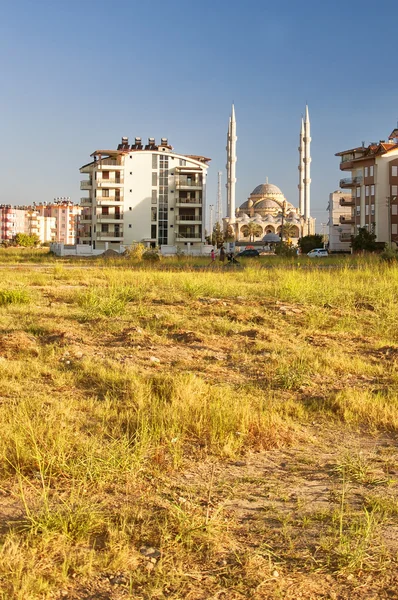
{"type": "Point", "coordinates": [130, 226]}
{"type": "Point", "coordinates": [105, 193]}
{"type": "Point", "coordinates": [154, 179]}
{"type": "Point", "coordinates": [154, 161]}
{"type": "Point", "coordinates": [105, 174]}
{"type": "Point", "coordinates": [358, 210]}
{"type": "Point", "coordinates": [372, 190]}
{"type": "Point", "coordinates": [358, 192]}
{"type": "Point", "coordinates": [153, 232]}
{"type": "Point", "coordinates": [367, 209]}
{"type": "Point", "coordinates": [394, 171]}
{"type": "Point", "coordinates": [154, 197]}
{"type": "Point", "coordinates": [153, 213]}
{"type": "Point", "coordinates": [130, 208]}
{"type": "Point", "coordinates": [105, 228]}
{"type": "Point", "coordinates": [394, 190]}
{"type": "Point", "coordinates": [131, 172]}
{"type": "Point", "coordinates": [182, 162]}
{"type": "Point", "coordinates": [394, 228]}
{"type": "Point", "coordinates": [366, 171]}
{"type": "Point", "coordinates": [394, 209]}
{"type": "Point", "coordinates": [372, 209]}
{"type": "Point", "coordinates": [367, 190]}
{"type": "Point", "coordinates": [371, 171]}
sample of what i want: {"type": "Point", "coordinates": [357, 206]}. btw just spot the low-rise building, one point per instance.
{"type": "Point", "coordinates": [144, 193]}
{"type": "Point", "coordinates": [340, 209]}
{"type": "Point", "coordinates": [12, 221]}
{"type": "Point", "coordinates": [67, 217]}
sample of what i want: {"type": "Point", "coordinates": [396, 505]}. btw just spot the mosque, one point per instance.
{"type": "Point", "coordinates": [261, 217]}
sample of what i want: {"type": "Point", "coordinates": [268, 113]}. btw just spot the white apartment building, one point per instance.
{"type": "Point", "coordinates": [144, 193]}
{"type": "Point", "coordinates": [340, 221]}
{"type": "Point", "coordinates": [66, 216]}
{"type": "Point", "coordinates": [42, 226]}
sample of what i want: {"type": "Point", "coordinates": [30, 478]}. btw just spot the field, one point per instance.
{"type": "Point", "coordinates": [187, 431]}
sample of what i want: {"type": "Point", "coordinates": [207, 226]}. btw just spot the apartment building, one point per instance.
{"type": "Point", "coordinates": [340, 221]}
{"type": "Point", "coordinates": [12, 221]}
{"type": "Point", "coordinates": [144, 193]}
{"type": "Point", "coordinates": [42, 226]}
{"type": "Point", "coordinates": [373, 185]}
{"type": "Point", "coordinates": [67, 218]}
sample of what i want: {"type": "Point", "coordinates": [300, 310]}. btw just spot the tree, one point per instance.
{"type": "Point", "coordinates": [252, 230]}
{"type": "Point", "coordinates": [217, 238]}
{"type": "Point", "coordinates": [289, 230]}
{"type": "Point", "coordinates": [309, 242]}
{"type": "Point", "coordinates": [364, 240]}
{"type": "Point", "coordinates": [229, 234]}
{"type": "Point", "coordinates": [27, 241]}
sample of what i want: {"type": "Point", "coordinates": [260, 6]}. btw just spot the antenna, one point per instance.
{"type": "Point", "coordinates": [219, 201]}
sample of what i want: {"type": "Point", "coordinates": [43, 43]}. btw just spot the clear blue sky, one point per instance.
{"type": "Point", "coordinates": [77, 75]}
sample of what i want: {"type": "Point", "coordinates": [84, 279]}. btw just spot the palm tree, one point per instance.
{"type": "Point", "coordinates": [252, 230]}
{"type": "Point", "coordinates": [289, 230]}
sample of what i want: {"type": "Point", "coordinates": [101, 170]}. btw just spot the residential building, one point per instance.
{"type": "Point", "coordinates": [43, 226]}
{"type": "Point", "coordinates": [67, 217]}
{"type": "Point", "coordinates": [144, 193]}
{"type": "Point", "coordinates": [12, 221]}
{"type": "Point", "coordinates": [373, 183]}
{"type": "Point", "coordinates": [341, 219]}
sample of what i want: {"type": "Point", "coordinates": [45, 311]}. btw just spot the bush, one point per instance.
{"type": "Point", "coordinates": [309, 242]}
{"type": "Point", "coordinates": [389, 255]}
{"type": "Point", "coordinates": [135, 251]}
{"type": "Point", "coordinates": [14, 297]}
{"type": "Point", "coordinates": [151, 255]}
{"type": "Point", "coordinates": [284, 249]}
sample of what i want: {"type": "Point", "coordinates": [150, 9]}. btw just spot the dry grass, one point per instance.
{"type": "Point", "coordinates": [152, 408]}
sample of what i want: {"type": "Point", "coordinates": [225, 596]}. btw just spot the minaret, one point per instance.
{"type": "Point", "coordinates": [307, 168]}
{"type": "Point", "coordinates": [228, 166]}
{"type": "Point", "coordinates": [301, 169]}
{"type": "Point", "coordinates": [231, 166]}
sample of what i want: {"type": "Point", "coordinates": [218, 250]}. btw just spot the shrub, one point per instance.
{"type": "Point", "coordinates": [389, 255]}
{"type": "Point", "coordinates": [151, 255]}
{"type": "Point", "coordinates": [14, 297]}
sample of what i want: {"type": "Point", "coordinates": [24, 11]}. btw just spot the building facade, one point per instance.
{"type": "Point", "coordinates": [148, 194]}
{"type": "Point", "coordinates": [373, 187]}
{"type": "Point", "coordinates": [66, 216]}
{"type": "Point", "coordinates": [12, 221]}
{"type": "Point", "coordinates": [340, 221]}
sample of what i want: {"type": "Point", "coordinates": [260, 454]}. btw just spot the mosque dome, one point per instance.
{"type": "Point", "coordinates": [266, 203]}
{"type": "Point", "coordinates": [264, 189]}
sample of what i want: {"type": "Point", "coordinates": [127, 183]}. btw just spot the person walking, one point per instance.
{"type": "Point", "coordinates": [212, 255]}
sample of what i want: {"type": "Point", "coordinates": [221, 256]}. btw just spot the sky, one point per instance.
{"type": "Point", "coordinates": [76, 76]}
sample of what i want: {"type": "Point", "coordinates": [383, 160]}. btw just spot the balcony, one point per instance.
{"type": "Point", "coordinates": [85, 219]}
{"type": "Point", "coordinates": [109, 218]}
{"type": "Point", "coordinates": [109, 236]}
{"type": "Point", "coordinates": [347, 202]}
{"type": "Point", "coordinates": [195, 220]}
{"type": "Point", "coordinates": [108, 162]}
{"type": "Point", "coordinates": [346, 220]}
{"type": "Point", "coordinates": [188, 202]}
{"type": "Point", "coordinates": [350, 182]}
{"type": "Point", "coordinates": [111, 182]}
{"type": "Point", "coordinates": [85, 202]}
{"type": "Point", "coordinates": [109, 201]}
{"type": "Point", "coordinates": [188, 183]}
{"type": "Point", "coordinates": [345, 237]}
{"type": "Point", "coordinates": [188, 237]}
{"type": "Point", "coordinates": [86, 185]}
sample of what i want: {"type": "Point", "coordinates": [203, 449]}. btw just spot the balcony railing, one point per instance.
{"type": "Point", "coordinates": [184, 182]}
{"type": "Point", "coordinates": [346, 220]}
{"type": "Point", "coordinates": [345, 237]}
{"type": "Point", "coordinates": [347, 202]}
{"type": "Point", "coordinates": [111, 181]}
{"type": "Point", "coordinates": [106, 218]}
{"type": "Point", "coordinates": [188, 236]}
{"type": "Point", "coordinates": [189, 218]}
{"type": "Point", "coordinates": [86, 185]}
{"type": "Point", "coordinates": [189, 201]}
{"type": "Point", "coordinates": [348, 182]}
{"type": "Point", "coordinates": [108, 162]}
{"type": "Point", "coordinates": [109, 235]}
